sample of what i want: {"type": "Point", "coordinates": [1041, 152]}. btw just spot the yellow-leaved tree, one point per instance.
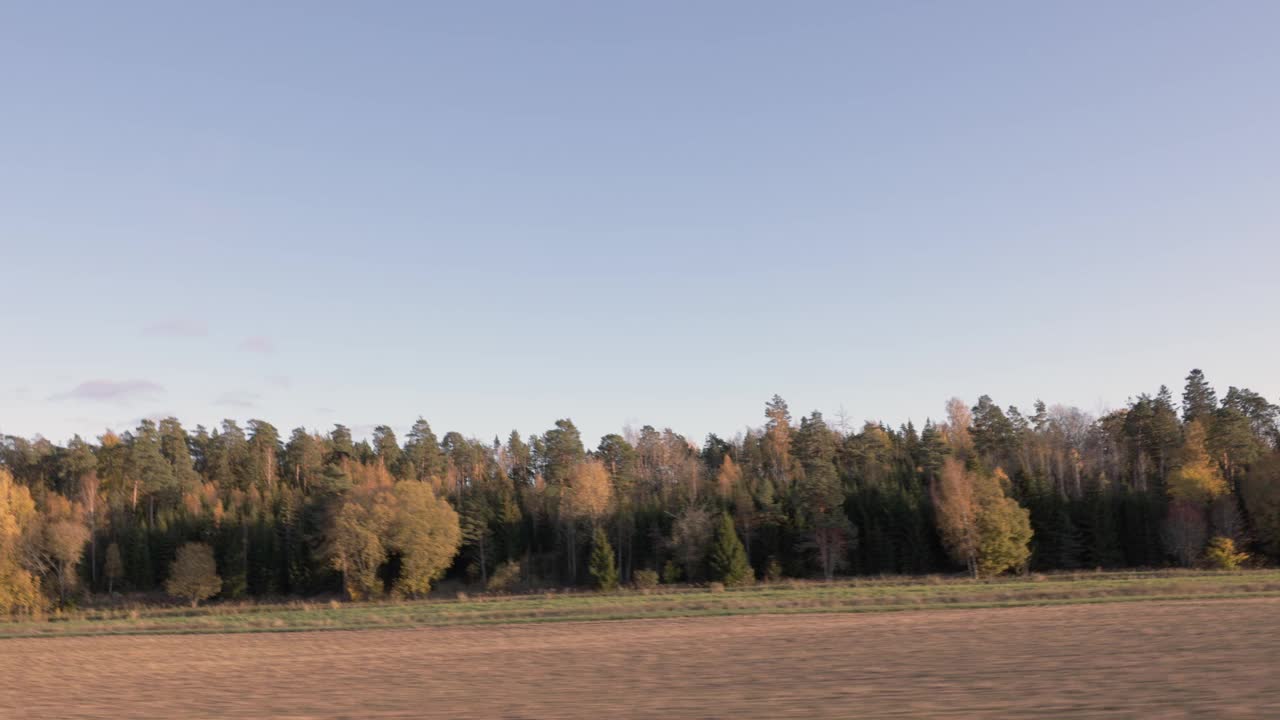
{"type": "Point", "coordinates": [65, 538]}
{"type": "Point", "coordinates": [981, 527]}
{"type": "Point", "coordinates": [585, 498]}
{"type": "Point", "coordinates": [407, 518]}
{"type": "Point", "coordinates": [426, 533]}
{"type": "Point", "coordinates": [1197, 479]}
{"type": "Point", "coordinates": [19, 541]}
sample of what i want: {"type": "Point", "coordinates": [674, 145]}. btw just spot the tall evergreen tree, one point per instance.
{"type": "Point", "coordinates": [1199, 400]}
{"type": "Point", "coordinates": [728, 558]}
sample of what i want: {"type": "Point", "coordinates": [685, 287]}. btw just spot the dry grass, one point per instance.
{"type": "Point", "coordinates": [858, 595]}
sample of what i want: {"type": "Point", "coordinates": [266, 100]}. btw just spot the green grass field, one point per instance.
{"type": "Point", "coordinates": [843, 596]}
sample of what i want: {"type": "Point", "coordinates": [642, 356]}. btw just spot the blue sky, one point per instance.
{"type": "Point", "coordinates": [498, 214]}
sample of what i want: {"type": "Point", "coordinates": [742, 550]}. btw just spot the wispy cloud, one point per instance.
{"type": "Point", "coordinates": [118, 391]}
{"type": "Point", "coordinates": [258, 344]}
{"type": "Point", "coordinates": [177, 328]}
{"type": "Point", "coordinates": [239, 399]}
{"type": "Point", "coordinates": [279, 381]}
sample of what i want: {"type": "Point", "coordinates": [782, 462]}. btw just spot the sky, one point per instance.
{"type": "Point", "coordinates": [497, 214]}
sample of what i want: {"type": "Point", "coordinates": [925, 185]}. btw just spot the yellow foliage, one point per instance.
{"type": "Point", "coordinates": [1221, 554]}
{"type": "Point", "coordinates": [981, 527]}
{"type": "Point", "coordinates": [427, 534]}
{"type": "Point", "coordinates": [19, 535]}
{"type": "Point", "coordinates": [728, 477]}
{"type": "Point", "coordinates": [376, 519]}
{"type": "Point", "coordinates": [1198, 479]}
{"type": "Point", "coordinates": [589, 491]}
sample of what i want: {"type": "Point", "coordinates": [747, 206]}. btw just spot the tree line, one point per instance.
{"type": "Point", "coordinates": [238, 512]}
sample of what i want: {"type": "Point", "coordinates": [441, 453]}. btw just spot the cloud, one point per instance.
{"type": "Point", "coordinates": [258, 344]}
{"type": "Point", "coordinates": [119, 391]}
{"type": "Point", "coordinates": [279, 381]}
{"type": "Point", "coordinates": [177, 328]}
{"type": "Point", "coordinates": [238, 399]}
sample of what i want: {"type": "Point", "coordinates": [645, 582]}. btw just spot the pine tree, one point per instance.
{"type": "Point", "coordinates": [601, 565]}
{"type": "Point", "coordinates": [728, 557]}
{"type": "Point", "coordinates": [1198, 399]}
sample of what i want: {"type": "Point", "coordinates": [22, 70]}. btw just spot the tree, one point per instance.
{"type": "Point", "coordinates": [780, 467]}
{"type": "Point", "coordinates": [601, 565]}
{"type": "Point", "coordinates": [422, 453]}
{"type": "Point", "coordinates": [1199, 400]}
{"type": "Point", "coordinates": [959, 419]}
{"type": "Point", "coordinates": [992, 432]}
{"type": "Point", "coordinates": [1004, 536]}
{"type": "Point", "coordinates": [819, 497]}
{"type": "Point", "coordinates": [357, 539]}
{"type": "Point", "coordinates": [19, 529]}
{"type": "Point", "coordinates": [152, 474]}
{"type": "Point", "coordinates": [386, 447]}
{"type": "Point", "coordinates": [1260, 491]}
{"type": "Point", "coordinates": [65, 537]}
{"type": "Point", "coordinates": [728, 477]}
{"type": "Point", "coordinates": [586, 495]}
{"type": "Point", "coordinates": [303, 458]}
{"type": "Point", "coordinates": [728, 558]}
{"type": "Point", "coordinates": [113, 567]}
{"type": "Point", "coordinates": [589, 491]}
{"type": "Point", "coordinates": [981, 527]}
{"type": "Point", "coordinates": [426, 533]}
{"type": "Point", "coordinates": [194, 574]}
{"type": "Point", "coordinates": [560, 452]}
{"type": "Point", "coordinates": [1198, 480]}
{"type": "Point", "coordinates": [690, 538]}
{"type": "Point", "coordinates": [956, 504]}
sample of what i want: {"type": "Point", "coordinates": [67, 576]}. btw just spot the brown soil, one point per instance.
{"type": "Point", "coordinates": [1151, 660]}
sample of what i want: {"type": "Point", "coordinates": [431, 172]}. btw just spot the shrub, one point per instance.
{"type": "Point", "coordinates": [193, 574]}
{"type": "Point", "coordinates": [1222, 554]}
{"type": "Point", "coordinates": [773, 570]}
{"type": "Point", "coordinates": [645, 579]}
{"type": "Point", "coordinates": [670, 573]}
{"type": "Point", "coordinates": [716, 587]}
{"type": "Point", "coordinates": [505, 577]}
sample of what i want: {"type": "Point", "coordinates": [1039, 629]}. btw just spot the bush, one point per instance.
{"type": "Point", "coordinates": [645, 579]}
{"type": "Point", "coordinates": [194, 574]}
{"type": "Point", "coordinates": [773, 570]}
{"type": "Point", "coordinates": [1222, 554]}
{"type": "Point", "coordinates": [670, 573]}
{"type": "Point", "coordinates": [505, 577]}
{"type": "Point", "coordinates": [716, 587]}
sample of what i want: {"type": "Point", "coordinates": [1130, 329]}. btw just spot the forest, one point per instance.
{"type": "Point", "coordinates": [233, 512]}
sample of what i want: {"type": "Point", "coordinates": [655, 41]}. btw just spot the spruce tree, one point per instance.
{"type": "Point", "coordinates": [728, 557]}
{"type": "Point", "coordinates": [1199, 401]}
{"type": "Point", "coordinates": [601, 565]}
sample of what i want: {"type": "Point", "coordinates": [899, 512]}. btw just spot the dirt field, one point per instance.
{"type": "Point", "coordinates": [1150, 660]}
